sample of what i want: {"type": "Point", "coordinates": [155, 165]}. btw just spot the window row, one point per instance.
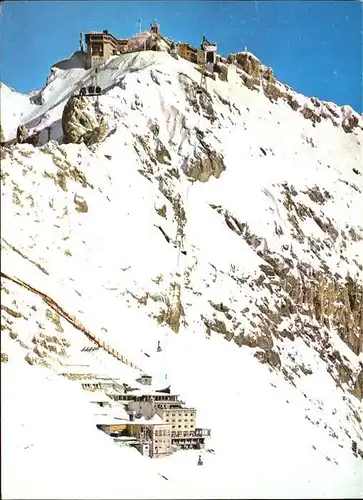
{"type": "Point", "coordinates": [180, 434]}
{"type": "Point", "coordinates": [179, 414]}
{"type": "Point", "coordinates": [162, 432]}
{"type": "Point", "coordinates": [179, 420]}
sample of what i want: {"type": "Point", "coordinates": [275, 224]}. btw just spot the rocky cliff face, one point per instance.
{"type": "Point", "coordinates": [80, 123]}
{"type": "Point", "coordinates": [256, 76]}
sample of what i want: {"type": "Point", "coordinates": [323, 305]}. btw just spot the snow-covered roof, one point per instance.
{"type": "Point", "coordinates": [155, 420]}
{"type": "Point", "coordinates": [112, 390]}
{"type": "Point", "coordinates": [149, 391]}
{"type": "Point", "coordinates": [98, 380]}
{"type": "Point", "coordinates": [125, 438]}
{"type": "Point", "coordinates": [96, 397]}
{"type": "Point", "coordinates": [104, 419]}
{"type": "Point", "coordinates": [108, 378]}
{"type": "Point", "coordinates": [95, 381]}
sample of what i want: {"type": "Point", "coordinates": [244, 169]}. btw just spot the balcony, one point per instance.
{"type": "Point", "coordinates": [202, 432]}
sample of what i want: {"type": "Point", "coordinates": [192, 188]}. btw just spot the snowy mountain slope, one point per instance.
{"type": "Point", "coordinates": [273, 241]}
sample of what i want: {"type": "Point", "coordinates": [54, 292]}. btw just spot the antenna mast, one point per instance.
{"type": "Point", "coordinates": [81, 46]}
{"type": "Point", "coordinates": [139, 25]}
{"type": "Point", "coordinates": [203, 76]}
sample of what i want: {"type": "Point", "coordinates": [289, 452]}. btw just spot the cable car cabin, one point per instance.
{"type": "Point", "coordinates": [211, 57]}
{"type": "Point", "coordinates": [210, 51]}
{"type": "Point", "coordinates": [90, 91]}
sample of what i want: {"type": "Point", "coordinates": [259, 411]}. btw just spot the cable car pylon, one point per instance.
{"type": "Point", "coordinates": [203, 78]}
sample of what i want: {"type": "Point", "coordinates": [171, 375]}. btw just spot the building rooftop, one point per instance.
{"type": "Point", "coordinates": [126, 438]}
{"type": "Point", "coordinates": [105, 418]}
{"type": "Point", "coordinates": [75, 369]}
{"type": "Point", "coordinates": [112, 390]}
{"type": "Point", "coordinates": [149, 391]}
{"type": "Point", "coordinates": [97, 380]}
{"type": "Point", "coordinates": [156, 419]}
{"type": "Point", "coordinates": [178, 408]}
{"type": "Point", "coordinates": [111, 416]}
{"type": "Point", "coordinates": [108, 378]}
{"type": "Point", "coordinates": [96, 397]}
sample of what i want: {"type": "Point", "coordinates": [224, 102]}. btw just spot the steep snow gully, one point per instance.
{"type": "Point", "coordinates": [259, 317]}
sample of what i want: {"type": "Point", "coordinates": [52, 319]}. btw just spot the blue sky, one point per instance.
{"type": "Point", "coordinates": [314, 46]}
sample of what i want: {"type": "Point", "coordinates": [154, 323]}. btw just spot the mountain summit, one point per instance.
{"type": "Point", "coordinates": [219, 220]}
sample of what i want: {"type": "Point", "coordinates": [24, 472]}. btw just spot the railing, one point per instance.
{"type": "Point", "coordinates": [202, 432]}
{"type": "Point", "coordinates": [73, 321]}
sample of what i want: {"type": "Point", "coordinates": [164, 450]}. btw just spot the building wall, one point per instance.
{"type": "Point", "coordinates": [161, 439]}
{"type": "Point", "coordinates": [188, 53]}
{"type": "Point", "coordinates": [201, 56]}
{"type": "Point", "coordinates": [182, 420]}
{"type": "Point", "coordinates": [116, 427]}
{"type": "Point", "coordinates": [144, 448]}
{"type": "Point", "coordinates": [121, 44]}
{"type": "Point", "coordinates": [134, 430]}
{"type": "Point", "coordinates": [187, 443]}
{"type": "Point", "coordinates": [100, 47]}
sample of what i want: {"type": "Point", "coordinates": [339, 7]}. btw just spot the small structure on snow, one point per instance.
{"type": "Point", "coordinates": [145, 379]}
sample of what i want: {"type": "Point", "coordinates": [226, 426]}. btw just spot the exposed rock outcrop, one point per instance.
{"type": "Point", "coordinates": [2, 138]}
{"type": "Point", "coordinates": [198, 98]}
{"type": "Point", "coordinates": [80, 123]}
{"type": "Point", "coordinates": [174, 310]}
{"type": "Point", "coordinates": [350, 124]}
{"type": "Point", "coordinates": [4, 357]}
{"type": "Point", "coordinates": [248, 62]}
{"type": "Point", "coordinates": [21, 134]}
{"type": "Point", "coordinates": [314, 293]}
{"type": "Point", "coordinates": [255, 75]}
{"type": "Point", "coordinates": [204, 165]}
{"type": "Point", "coordinates": [358, 385]}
